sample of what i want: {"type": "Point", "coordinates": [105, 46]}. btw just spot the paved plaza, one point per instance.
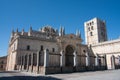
{"type": "Point", "coordinates": [98, 75]}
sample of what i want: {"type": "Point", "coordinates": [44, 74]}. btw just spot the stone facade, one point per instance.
{"type": "Point", "coordinates": [48, 51]}
{"type": "Point", "coordinates": [3, 62]}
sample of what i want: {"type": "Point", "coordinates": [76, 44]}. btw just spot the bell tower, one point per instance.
{"type": "Point", "coordinates": [95, 31]}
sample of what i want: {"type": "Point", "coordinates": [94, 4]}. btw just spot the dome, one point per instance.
{"type": "Point", "coordinates": [48, 29]}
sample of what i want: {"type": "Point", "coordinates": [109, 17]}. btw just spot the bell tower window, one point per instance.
{"type": "Point", "coordinates": [88, 28]}
{"type": "Point", "coordinates": [91, 27]}
{"type": "Point", "coordinates": [91, 33]}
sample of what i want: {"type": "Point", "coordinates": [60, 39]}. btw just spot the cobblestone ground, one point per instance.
{"type": "Point", "coordinates": [98, 75]}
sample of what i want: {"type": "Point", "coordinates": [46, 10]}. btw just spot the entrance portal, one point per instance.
{"type": "Point", "coordinates": [69, 56]}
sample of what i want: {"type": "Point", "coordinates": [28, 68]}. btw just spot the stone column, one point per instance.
{"type": "Point", "coordinates": [38, 55]}
{"type": "Point", "coordinates": [21, 63]}
{"type": "Point", "coordinates": [31, 62]}
{"type": "Point", "coordinates": [27, 62]}
{"type": "Point", "coordinates": [62, 59]}
{"type": "Point", "coordinates": [97, 60]}
{"type": "Point", "coordinates": [87, 59]}
{"type": "Point", "coordinates": [75, 59]}
{"type": "Point", "coordinates": [113, 61]}
{"type": "Point", "coordinates": [119, 60]}
{"type": "Point", "coordinates": [105, 62]}
{"type": "Point", "coordinates": [46, 58]}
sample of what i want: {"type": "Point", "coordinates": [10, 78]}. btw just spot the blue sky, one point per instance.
{"type": "Point", "coordinates": [68, 13]}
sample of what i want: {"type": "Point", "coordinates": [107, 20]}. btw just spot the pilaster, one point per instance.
{"type": "Point", "coordinates": [46, 58]}
{"type": "Point", "coordinates": [75, 58]}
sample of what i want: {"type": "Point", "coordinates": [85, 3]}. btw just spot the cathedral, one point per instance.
{"type": "Point", "coordinates": [49, 51]}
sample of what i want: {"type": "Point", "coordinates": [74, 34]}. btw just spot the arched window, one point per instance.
{"type": "Point", "coordinates": [92, 28]}
{"type": "Point", "coordinates": [92, 23]}
{"type": "Point", "coordinates": [91, 33]}
{"type": "Point", "coordinates": [88, 28]}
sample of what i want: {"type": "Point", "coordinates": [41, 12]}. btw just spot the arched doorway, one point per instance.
{"type": "Point", "coordinates": [69, 55]}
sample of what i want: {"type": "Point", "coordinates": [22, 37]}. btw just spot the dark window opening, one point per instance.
{"type": "Point", "coordinates": [53, 49]}
{"type": "Point", "coordinates": [28, 47]}
{"type": "Point", "coordinates": [91, 34]}
{"type": "Point", "coordinates": [92, 23]}
{"type": "Point", "coordinates": [41, 48]}
{"type": "Point", "coordinates": [84, 51]}
{"type": "Point", "coordinates": [88, 28]}
{"type": "Point", "coordinates": [91, 27]}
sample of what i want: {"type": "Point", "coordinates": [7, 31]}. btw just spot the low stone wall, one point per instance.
{"type": "Point", "coordinates": [67, 69]}
{"type": "Point", "coordinates": [80, 69]}
{"type": "Point", "coordinates": [51, 70]}
{"type": "Point", "coordinates": [95, 68]}
{"type": "Point", "coordinates": [117, 66]}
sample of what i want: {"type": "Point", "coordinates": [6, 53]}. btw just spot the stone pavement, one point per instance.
{"type": "Point", "coordinates": [97, 75]}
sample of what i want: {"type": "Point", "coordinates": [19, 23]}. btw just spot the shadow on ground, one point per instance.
{"type": "Point", "coordinates": [28, 78]}
{"type": "Point", "coordinates": [8, 72]}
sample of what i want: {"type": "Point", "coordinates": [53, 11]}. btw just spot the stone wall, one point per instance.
{"type": "Point", "coordinates": [109, 48]}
